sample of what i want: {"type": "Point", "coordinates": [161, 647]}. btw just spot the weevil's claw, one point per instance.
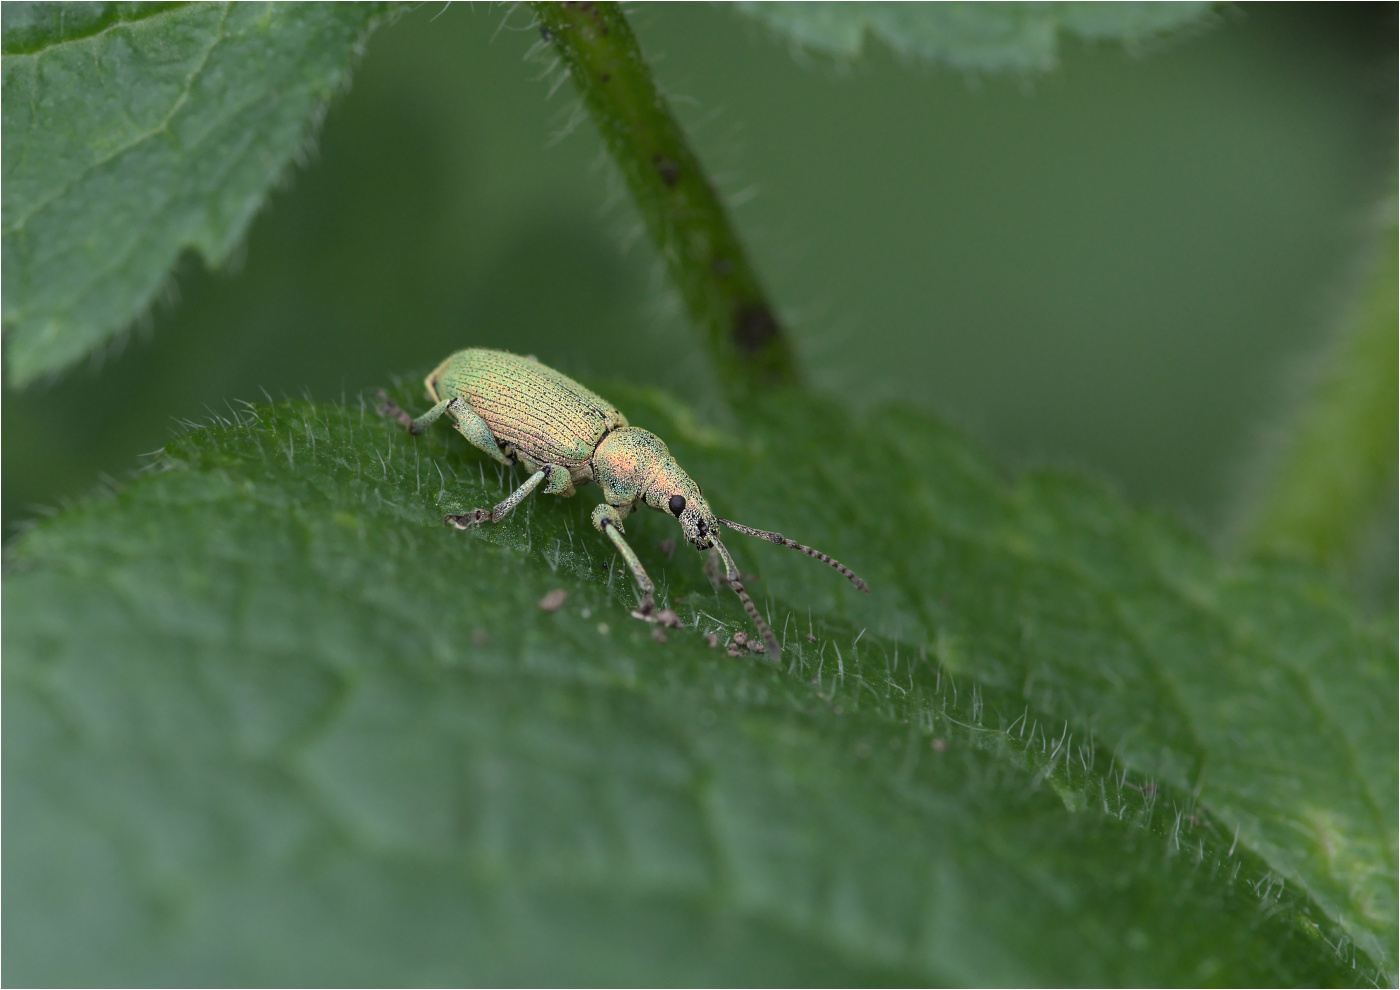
{"type": "Point", "coordinates": [468, 519]}
{"type": "Point", "coordinates": [665, 617]}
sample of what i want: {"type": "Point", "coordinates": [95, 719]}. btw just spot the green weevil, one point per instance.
{"type": "Point", "coordinates": [518, 411]}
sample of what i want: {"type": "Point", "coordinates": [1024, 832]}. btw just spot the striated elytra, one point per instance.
{"type": "Point", "coordinates": [518, 411]}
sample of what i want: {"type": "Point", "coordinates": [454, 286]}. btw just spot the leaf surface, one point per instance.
{"type": "Point", "coordinates": [133, 132]}
{"type": "Point", "coordinates": [267, 720]}
{"type": "Point", "coordinates": [986, 37]}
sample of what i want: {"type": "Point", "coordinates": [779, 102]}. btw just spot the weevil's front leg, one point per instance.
{"type": "Point", "coordinates": [501, 509]}
{"type": "Point", "coordinates": [608, 521]}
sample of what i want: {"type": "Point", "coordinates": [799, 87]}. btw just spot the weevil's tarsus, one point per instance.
{"type": "Point", "coordinates": [732, 578]}
{"type": "Point", "coordinates": [778, 538]}
{"type": "Point", "coordinates": [467, 520]}
{"type": "Point", "coordinates": [502, 509]}
{"type": "Point", "coordinates": [389, 409]}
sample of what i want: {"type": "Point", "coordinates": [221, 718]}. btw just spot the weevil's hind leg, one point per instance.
{"type": "Point", "coordinates": [390, 409]}
{"type": "Point", "coordinates": [608, 521]}
{"type": "Point", "coordinates": [468, 423]}
{"type": "Point", "coordinates": [474, 428]}
{"type": "Point", "coordinates": [502, 509]}
{"type": "Point", "coordinates": [782, 540]}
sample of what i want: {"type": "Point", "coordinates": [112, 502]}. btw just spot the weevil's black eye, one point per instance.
{"type": "Point", "coordinates": [677, 505]}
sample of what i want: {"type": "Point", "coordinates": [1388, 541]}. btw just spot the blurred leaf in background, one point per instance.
{"type": "Point", "coordinates": [1000, 37]}
{"type": "Point", "coordinates": [1114, 269]}
{"type": "Point", "coordinates": [137, 131]}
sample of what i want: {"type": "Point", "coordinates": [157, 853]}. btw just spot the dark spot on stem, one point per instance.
{"type": "Point", "coordinates": [606, 77]}
{"type": "Point", "coordinates": [546, 33]}
{"type": "Point", "coordinates": [754, 326]}
{"type": "Point", "coordinates": [721, 267]}
{"type": "Point", "coordinates": [668, 168]}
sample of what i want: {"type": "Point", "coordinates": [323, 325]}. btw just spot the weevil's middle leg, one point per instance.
{"type": "Point", "coordinates": [502, 509]}
{"type": "Point", "coordinates": [561, 483]}
{"type": "Point", "coordinates": [608, 521]}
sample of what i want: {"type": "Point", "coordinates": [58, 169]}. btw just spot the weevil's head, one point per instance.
{"type": "Point", "coordinates": [674, 492]}
{"type": "Point", "coordinates": [631, 463]}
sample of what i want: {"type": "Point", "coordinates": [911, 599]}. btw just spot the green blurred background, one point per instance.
{"type": "Point", "coordinates": [1128, 266]}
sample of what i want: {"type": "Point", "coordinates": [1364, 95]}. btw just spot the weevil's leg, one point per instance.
{"type": "Point", "coordinates": [561, 483]}
{"type": "Point", "coordinates": [474, 428]}
{"type": "Point", "coordinates": [608, 521]}
{"type": "Point", "coordinates": [501, 509]}
{"type": "Point", "coordinates": [731, 578]}
{"type": "Point", "coordinates": [779, 538]}
{"type": "Point", "coordinates": [388, 407]}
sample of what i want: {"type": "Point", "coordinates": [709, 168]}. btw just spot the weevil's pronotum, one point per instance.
{"type": "Point", "coordinates": [518, 411]}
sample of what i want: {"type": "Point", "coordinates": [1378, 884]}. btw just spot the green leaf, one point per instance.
{"type": "Point", "coordinates": [133, 132]}
{"type": "Point", "coordinates": [267, 720]}
{"type": "Point", "coordinates": [989, 37]}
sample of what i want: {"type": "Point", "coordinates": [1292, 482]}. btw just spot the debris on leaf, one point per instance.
{"type": "Point", "coordinates": [553, 601]}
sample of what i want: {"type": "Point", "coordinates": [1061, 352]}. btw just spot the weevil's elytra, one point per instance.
{"type": "Point", "coordinates": [516, 410]}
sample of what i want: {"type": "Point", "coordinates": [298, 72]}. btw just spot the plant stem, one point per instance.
{"type": "Point", "coordinates": [682, 211]}
{"type": "Point", "coordinates": [1340, 463]}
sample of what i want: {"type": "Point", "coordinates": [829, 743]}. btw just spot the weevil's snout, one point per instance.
{"type": "Point", "coordinates": [698, 523]}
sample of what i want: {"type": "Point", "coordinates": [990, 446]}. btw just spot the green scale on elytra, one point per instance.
{"type": "Point", "coordinates": [517, 410]}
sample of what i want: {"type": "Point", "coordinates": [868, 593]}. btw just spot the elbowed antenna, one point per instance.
{"type": "Point", "coordinates": [763, 534]}
{"type": "Point", "coordinates": [731, 578]}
